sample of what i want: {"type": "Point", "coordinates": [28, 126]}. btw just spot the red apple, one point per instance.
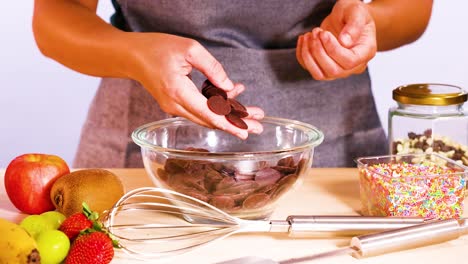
{"type": "Point", "coordinates": [29, 178]}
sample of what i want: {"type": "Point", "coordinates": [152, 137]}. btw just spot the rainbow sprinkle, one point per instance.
{"type": "Point", "coordinates": [404, 189]}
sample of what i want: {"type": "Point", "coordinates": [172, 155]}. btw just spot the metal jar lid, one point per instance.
{"type": "Point", "coordinates": [430, 94]}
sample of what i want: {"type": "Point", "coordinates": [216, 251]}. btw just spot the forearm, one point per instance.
{"type": "Point", "coordinates": [399, 22]}
{"type": "Point", "coordinates": [71, 33]}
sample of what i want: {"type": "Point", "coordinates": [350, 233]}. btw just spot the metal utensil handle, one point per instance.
{"type": "Point", "coordinates": [303, 225]}
{"type": "Point", "coordinates": [405, 238]}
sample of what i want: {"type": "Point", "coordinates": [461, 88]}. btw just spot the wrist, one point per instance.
{"type": "Point", "coordinates": [125, 54]}
{"type": "Point", "coordinates": [382, 17]}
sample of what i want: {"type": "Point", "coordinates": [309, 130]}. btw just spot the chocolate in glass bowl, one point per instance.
{"type": "Point", "coordinates": [245, 178]}
{"type": "Point", "coordinates": [226, 186]}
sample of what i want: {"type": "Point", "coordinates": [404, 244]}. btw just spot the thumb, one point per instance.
{"type": "Point", "coordinates": [354, 22]}
{"type": "Point", "coordinates": [203, 61]}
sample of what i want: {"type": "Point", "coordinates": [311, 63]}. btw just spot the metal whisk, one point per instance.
{"type": "Point", "coordinates": [154, 222]}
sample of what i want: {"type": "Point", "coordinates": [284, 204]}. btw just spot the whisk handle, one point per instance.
{"type": "Point", "coordinates": [306, 225]}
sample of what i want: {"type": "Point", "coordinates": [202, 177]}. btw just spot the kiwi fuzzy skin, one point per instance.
{"type": "Point", "coordinates": [99, 188]}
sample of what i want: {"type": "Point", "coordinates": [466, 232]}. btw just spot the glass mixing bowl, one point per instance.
{"type": "Point", "coordinates": [244, 178]}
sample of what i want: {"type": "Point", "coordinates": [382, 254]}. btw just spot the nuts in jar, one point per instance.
{"type": "Point", "coordinates": [428, 143]}
{"type": "Point", "coordinates": [429, 118]}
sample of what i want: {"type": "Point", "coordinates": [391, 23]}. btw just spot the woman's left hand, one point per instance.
{"type": "Point", "coordinates": [343, 44]}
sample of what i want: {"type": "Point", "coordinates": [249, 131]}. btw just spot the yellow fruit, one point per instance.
{"type": "Point", "coordinates": [99, 188]}
{"type": "Point", "coordinates": [16, 245]}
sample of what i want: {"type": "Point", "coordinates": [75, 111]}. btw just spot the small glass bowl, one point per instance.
{"type": "Point", "coordinates": [244, 178]}
{"type": "Point", "coordinates": [412, 185]}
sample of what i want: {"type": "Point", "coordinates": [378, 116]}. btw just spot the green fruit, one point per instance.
{"type": "Point", "coordinates": [53, 246]}
{"type": "Point", "coordinates": [16, 245]}
{"type": "Point", "coordinates": [35, 224]}
{"type": "Point", "coordinates": [54, 218]}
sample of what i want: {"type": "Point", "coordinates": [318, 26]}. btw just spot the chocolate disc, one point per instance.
{"type": "Point", "coordinates": [236, 120]}
{"type": "Point", "coordinates": [286, 161]}
{"type": "Point", "coordinates": [210, 91]}
{"type": "Point", "coordinates": [238, 108]}
{"type": "Point", "coordinates": [256, 200]}
{"type": "Point", "coordinates": [222, 202]}
{"type": "Point", "coordinates": [219, 105]}
{"type": "Point", "coordinates": [206, 83]}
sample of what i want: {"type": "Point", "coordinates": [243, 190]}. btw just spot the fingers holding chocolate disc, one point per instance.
{"type": "Point", "coordinates": [209, 90]}
{"type": "Point", "coordinates": [238, 108]}
{"type": "Point", "coordinates": [236, 120]}
{"type": "Point", "coordinates": [219, 105]}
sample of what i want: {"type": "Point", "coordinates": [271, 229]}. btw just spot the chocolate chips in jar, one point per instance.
{"type": "Point", "coordinates": [429, 118]}
{"type": "Point", "coordinates": [428, 143]}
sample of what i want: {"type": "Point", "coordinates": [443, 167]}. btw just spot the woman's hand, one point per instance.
{"type": "Point", "coordinates": [71, 33]}
{"type": "Point", "coordinates": [164, 63]}
{"type": "Point", "coordinates": [343, 44]}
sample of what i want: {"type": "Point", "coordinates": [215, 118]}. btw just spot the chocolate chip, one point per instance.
{"type": "Point", "coordinates": [395, 146]}
{"type": "Point", "coordinates": [428, 133]}
{"type": "Point", "coordinates": [428, 142]}
{"type": "Point", "coordinates": [412, 135]}
{"type": "Point", "coordinates": [446, 148]}
{"type": "Point", "coordinates": [236, 120]}
{"type": "Point", "coordinates": [457, 156]}
{"type": "Point", "coordinates": [419, 144]}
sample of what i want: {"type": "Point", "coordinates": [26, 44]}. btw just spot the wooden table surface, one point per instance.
{"type": "Point", "coordinates": [324, 191]}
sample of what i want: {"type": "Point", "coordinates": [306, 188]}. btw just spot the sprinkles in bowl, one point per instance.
{"type": "Point", "coordinates": [425, 185]}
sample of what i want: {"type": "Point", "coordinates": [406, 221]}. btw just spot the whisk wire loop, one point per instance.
{"type": "Point", "coordinates": [168, 223]}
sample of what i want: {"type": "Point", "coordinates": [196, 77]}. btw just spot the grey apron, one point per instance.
{"type": "Point", "coordinates": [255, 42]}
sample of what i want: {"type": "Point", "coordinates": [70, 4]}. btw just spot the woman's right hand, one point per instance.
{"type": "Point", "coordinates": [70, 32]}
{"type": "Point", "coordinates": [163, 66]}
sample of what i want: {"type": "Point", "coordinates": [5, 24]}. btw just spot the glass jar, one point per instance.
{"type": "Point", "coordinates": [429, 118]}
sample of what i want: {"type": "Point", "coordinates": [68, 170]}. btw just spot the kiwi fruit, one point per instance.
{"type": "Point", "coordinates": [99, 188]}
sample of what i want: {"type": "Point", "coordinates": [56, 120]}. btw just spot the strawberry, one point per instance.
{"type": "Point", "coordinates": [74, 224]}
{"type": "Point", "coordinates": [78, 222]}
{"type": "Point", "coordinates": [93, 247]}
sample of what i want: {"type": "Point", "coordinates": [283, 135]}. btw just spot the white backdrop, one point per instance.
{"type": "Point", "coordinates": [43, 104]}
